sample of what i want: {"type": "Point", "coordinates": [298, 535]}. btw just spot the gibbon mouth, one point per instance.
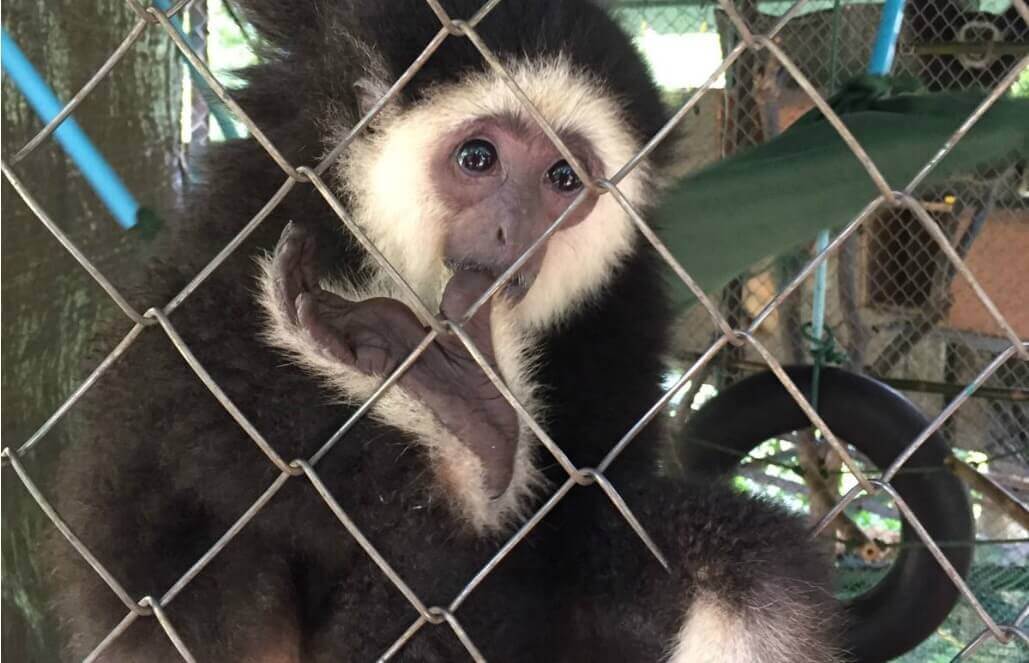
{"type": "Point", "coordinates": [516, 287]}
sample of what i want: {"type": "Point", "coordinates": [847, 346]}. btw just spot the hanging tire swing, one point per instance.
{"type": "Point", "coordinates": [908, 604]}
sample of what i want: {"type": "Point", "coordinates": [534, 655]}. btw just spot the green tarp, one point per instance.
{"type": "Point", "coordinates": [771, 199]}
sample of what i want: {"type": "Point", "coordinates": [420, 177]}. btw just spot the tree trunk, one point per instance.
{"type": "Point", "coordinates": [51, 307]}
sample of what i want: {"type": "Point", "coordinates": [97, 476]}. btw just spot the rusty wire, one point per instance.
{"type": "Point", "coordinates": [894, 193]}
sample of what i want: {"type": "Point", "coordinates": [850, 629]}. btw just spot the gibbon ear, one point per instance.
{"type": "Point", "coordinates": [369, 89]}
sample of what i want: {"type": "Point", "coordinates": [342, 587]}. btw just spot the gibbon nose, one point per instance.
{"type": "Point", "coordinates": [515, 226]}
{"type": "Point", "coordinates": [517, 229]}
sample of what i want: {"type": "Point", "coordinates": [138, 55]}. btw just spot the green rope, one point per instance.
{"type": "Point", "coordinates": [824, 351]}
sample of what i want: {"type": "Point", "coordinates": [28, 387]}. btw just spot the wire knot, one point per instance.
{"type": "Point", "coordinates": [436, 615]}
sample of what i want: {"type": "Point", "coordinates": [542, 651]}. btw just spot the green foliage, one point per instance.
{"type": "Point", "coordinates": [229, 44]}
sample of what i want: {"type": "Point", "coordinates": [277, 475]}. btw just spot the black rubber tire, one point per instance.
{"type": "Point", "coordinates": [915, 596]}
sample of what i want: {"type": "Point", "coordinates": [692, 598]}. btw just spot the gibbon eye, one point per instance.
{"type": "Point", "coordinates": [563, 178]}
{"type": "Point", "coordinates": [477, 156]}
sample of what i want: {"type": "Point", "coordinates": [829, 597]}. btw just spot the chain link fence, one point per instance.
{"type": "Point", "coordinates": [928, 294]}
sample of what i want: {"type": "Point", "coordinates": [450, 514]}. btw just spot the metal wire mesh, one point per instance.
{"type": "Point", "coordinates": [747, 319]}
{"type": "Point", "coordinates": [895, 308]}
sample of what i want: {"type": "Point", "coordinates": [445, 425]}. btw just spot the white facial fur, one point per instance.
{"type": "Point", "coordinates": [393, 198]}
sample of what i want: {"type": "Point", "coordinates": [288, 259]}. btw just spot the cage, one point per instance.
{"type": "Point", "coordinates": [150, 86]}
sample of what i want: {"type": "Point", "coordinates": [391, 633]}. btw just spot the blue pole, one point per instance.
{"type": "Point", "coordinates": [886, 39]}
{"type": "Point", "coordinates": [818, 297]}
{"type": "Point", "coordinates": [879, 65]}
{"type": "Point", "coordinates": [105, 182]}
